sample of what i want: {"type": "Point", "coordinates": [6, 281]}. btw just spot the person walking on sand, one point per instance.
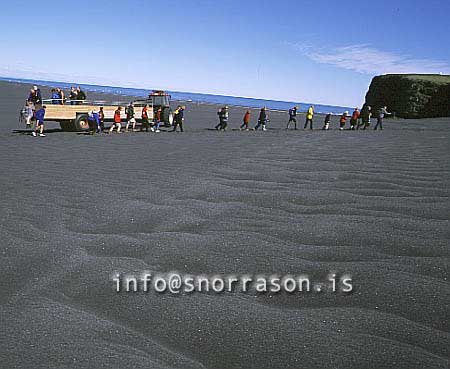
{"type": "Point", "coordinates": [101, 117]}
{"type": "Point", "coordinates": [219, 115]}
{"type": "Point", "coordinates": [144, 117]}
{"type": "Point", "coordinates": [380, 116]}
{"type": "Point", "coordinates": [292, 117]}
{"type": "Point", "coordinates": [343, 120]}
{"type": "Point", "coordinates": [246, 121]}
{"type": "Point", "coordinates": [157, 121]}
{"type": "Point", "coordinates": [117, 120]}
{"type": "Point", "coordinates": [365, 117]}
{"type": "Point", "coordinates": [130, 117]}
{"type": "Point", "coordinates": [175, 117]}
{"type": "Point", "coordinates": [29, 111]}
{"type": "Point", "coordinates": [223, 119]}
{"type": "Point", "coordinates": [309, 117]}
{"type": "Point", "coordinates": [178, 118]}
{"type": "Point", "coordinates": [40, 116]}
{"type": "Point", "coordinates": [262, 119]}
{"type": "Point", "coordinates": [354, 119]}
{"type": "Point", "coordinates": [94, 122]}
{"type": "Point", "coordinates": [327, 121]}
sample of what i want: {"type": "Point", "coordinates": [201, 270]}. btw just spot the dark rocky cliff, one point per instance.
{"type": "Point", "coordinates": [411, 95]}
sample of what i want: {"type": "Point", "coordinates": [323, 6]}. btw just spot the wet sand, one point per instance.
{"type": "Point", "coordinates": [76, 209]}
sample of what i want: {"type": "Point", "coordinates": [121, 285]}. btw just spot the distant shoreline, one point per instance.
{"type": "Point", "coordinates": [211, 99]}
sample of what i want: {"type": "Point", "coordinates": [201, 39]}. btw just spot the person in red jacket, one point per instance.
{"type": "Point", "coordinates": [354, 119]}
{"type": "Point", "coordinates": [246, 121]}
{"type": "Point", "coordinates": [117, 120]}
{"type": "Point", "coordinates": [343, 120]}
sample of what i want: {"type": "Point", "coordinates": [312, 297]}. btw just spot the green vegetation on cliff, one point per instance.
{"type": "Point", "coordinates": [411, 95]}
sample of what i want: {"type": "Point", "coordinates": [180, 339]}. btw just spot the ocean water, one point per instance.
{"type": "Point", "coordinates": [188, 96]}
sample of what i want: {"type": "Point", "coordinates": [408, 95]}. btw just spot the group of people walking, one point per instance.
{"type": "Point", "coordinates": [263, 120]}
{"type": "Point", "coordinates": [360, 119]}
{"type": "Point", "coordinates": [96, 120]}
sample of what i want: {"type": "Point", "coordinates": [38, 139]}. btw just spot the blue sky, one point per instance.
{"type": "Point", "coordinates": [312, 51]}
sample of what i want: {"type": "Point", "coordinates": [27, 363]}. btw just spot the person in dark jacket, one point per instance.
{"type": "Point", "coordinates": [130, 117]}
{"type": "Point", "coordinates": [40, 116]}
{"type": "Point", "coordinates": [101, 117]}
{"type": "Point", "coordinates": [223, 119]}
{"type": "Point", "coordinates": [73, 96]}
{"type": "Point", "coordinates": [263, 119]}
{"type": "Point", "coordinates": [292, 117]}
{"type": "Point", "coordinates": [80, 95]}
{"type": "Point", "coordinates": [380, 116]}
{"type": "Point", "coordinates": [365, 117]}
{"type": "Point", "coordinates": [327, 121]}
{"type": "Point", "coordinates": [178, 118]}
{"type": "Point", "coordinates": [35, 96]}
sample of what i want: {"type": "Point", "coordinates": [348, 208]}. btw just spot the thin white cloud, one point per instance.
{"type": "Point", "coordinates": [368, 60]}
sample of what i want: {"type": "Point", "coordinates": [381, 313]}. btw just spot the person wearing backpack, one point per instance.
{"type": "Point", "coordinates": [130, 117]}
{"type": "Point", "coordinates": [223, 119]}
{"type": "Point", "coordinates": [292, 117]}
{"type": "Point", "coordinates": [262, 119]}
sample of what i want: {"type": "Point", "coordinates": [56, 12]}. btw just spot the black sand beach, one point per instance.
{"type": "Point", "coordinates": [76, 209]}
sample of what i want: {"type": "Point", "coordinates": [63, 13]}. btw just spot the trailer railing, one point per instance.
{"type": "Point", "coordinates": [82, 102]}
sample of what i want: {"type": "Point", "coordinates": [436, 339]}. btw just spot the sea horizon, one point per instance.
{"type": "Point", "coordinates": [196, 97]}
